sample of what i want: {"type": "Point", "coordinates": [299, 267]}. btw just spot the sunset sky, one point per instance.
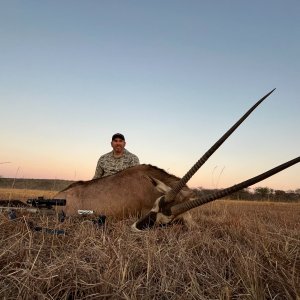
{"type": "Point", "coordinates": [172, 76]}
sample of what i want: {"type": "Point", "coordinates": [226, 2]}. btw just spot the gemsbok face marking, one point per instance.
{"type": "Point", "coordinates": [159, 197]}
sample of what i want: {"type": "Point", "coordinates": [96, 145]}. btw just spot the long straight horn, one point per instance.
{"type": "Point", "coordinates": [185, 206]}
{"type": "Point", "coordinates": [183, 181]}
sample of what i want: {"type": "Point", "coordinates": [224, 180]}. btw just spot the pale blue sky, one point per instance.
{"type": "Point", "coordinates": [172, 76]}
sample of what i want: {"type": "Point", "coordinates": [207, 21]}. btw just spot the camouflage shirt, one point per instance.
{"type": "Point", "coordinates": [109, 165]}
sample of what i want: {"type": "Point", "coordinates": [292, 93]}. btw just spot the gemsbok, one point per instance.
{"type": "Point", "coordinates": [151, 193]}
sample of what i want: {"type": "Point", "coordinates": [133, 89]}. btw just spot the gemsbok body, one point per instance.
{"type": "Point", "coordinates": [131, 192]}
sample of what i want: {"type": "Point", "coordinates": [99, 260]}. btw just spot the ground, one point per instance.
{"type": "Point", "coordinates": [240, 250]}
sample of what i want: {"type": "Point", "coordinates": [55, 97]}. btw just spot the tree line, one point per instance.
{"type": "Point", "coordinates": [258, 194]}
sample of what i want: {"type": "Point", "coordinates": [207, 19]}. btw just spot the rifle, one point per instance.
{"type": "Point", "coordinates": [32, 205]}
{"type": "Point", "coordinates": [40, 202]}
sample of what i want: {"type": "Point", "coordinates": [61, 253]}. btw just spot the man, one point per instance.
{"type": "Point", "coordinates": [116, 160]}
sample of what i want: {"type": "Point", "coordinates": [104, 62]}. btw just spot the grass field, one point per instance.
{"type": "Point", "coordinates": [240, 250]}
{"type": "Point", "coordinates": [23, 195]}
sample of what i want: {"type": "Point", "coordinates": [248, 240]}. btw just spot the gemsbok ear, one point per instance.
{"type": "Point", "coordinates": [159, 185]}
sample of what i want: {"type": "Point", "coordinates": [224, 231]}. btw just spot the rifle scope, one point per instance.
{"type": "Point", "coordinates": [42, 202]}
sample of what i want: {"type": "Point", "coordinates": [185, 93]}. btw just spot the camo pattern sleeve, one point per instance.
{"type": "Point", "coordinates": [109, 165]}
{"type": "Point", "coordinates": [99, 171]}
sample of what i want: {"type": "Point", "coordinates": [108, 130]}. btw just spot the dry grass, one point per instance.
{"type": "Point", "coordinates": [240, 250]}
{"type": "Point", "coordinates": [20, 194]}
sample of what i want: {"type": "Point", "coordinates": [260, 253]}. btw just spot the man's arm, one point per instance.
{"type": "Point", "coordinates": [99, 171]}
{"type": "Point", "coordinates": [135, 160]}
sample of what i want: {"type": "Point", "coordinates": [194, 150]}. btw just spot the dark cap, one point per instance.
{"type": "Point", "coordinates": [118, 136]}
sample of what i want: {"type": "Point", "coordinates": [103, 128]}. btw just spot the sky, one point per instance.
{"type": "Point", "coordinates": [171, 75]}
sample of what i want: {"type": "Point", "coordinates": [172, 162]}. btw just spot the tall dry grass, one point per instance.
{"type": "Point", "coordinates": [240, 250]}
{"type": "Point", "coordinates": [23, 195]}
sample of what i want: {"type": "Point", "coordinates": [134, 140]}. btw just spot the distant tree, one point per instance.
{"type": "Point", "coordinates": [262, 192]}
{"type": "Point", "coordinates": [279, 193]}
{"type": "Point", "coordinates": [244, 194]}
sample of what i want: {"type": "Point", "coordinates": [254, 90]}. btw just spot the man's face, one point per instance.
{"type": "Point", "coordinates": [118, 145]}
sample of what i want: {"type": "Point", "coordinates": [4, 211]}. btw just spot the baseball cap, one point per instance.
{"type": "Point", "coordinates": [118, 136]}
